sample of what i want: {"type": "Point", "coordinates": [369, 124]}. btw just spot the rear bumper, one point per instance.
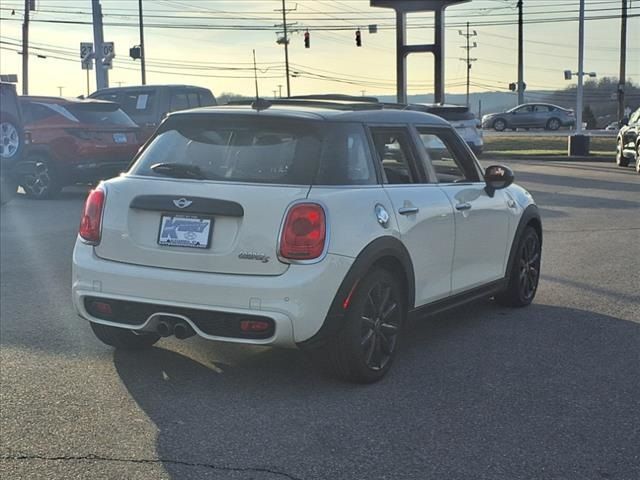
{"type": "Point", "coordinates": [297, 301]}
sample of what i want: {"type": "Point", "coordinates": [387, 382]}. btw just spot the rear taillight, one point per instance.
{"type": "Point", "coordinates": [91, 222]}
{"type": "Point", "coordinates": [304, 232]}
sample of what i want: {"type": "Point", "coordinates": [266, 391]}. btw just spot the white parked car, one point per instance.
{"type": "Point", "coordinates": [317, 224]}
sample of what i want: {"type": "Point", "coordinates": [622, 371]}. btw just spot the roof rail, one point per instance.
{"type": "Point", "coordinates": [336, 96]}
{"type": "Point", "coordinates": [318, 103]}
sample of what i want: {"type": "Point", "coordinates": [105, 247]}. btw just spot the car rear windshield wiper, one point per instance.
{"type": "Point", "coordinates": [179, 170]}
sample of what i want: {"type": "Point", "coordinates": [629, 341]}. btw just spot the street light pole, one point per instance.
{"type": "Point", "coordinates": [286, 46]}
{"type": "Point", "coordinates": [580, 69]}
{"type": "Point", "coordinates": [25, 48]}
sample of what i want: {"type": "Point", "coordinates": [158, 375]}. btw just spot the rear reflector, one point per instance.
{"type": "Point", "coordinates": [254, 325]}
{"type": "Point", "coordinates": [91, 222]}
{"type": "Point", "coordinates": [304, 232]}
{"type": "Point", "coordinates": [102, 308]}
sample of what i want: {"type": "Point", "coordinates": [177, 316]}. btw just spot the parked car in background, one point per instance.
{"type": "Point", "coordinates": [530, 115]}
{"type": "Point", "coordinates": [460, 117]}
{"type": "Point", "coordinates": [72, 141]}
{"type": "Point", "coordinates": [628, 142]}
{"type": "Point", "coordinates": [319, 224]}
{"type": "Point", "coordinates": [147, 105]}
{"type": "Point", "coordinates": [612, 127]}
{"type": "Point", "coordinates": [11, 140]}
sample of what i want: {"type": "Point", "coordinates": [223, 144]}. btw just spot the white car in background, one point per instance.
{"type": "Point", "coordinates": [317, 224]}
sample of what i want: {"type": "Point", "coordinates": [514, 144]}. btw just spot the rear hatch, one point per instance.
{"type": "Point", "coordinates": [104, 123]}
{"type": "Point", "coordinates": [209, 194]}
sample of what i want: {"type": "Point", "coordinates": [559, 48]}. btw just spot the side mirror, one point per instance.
{"type": "Point", "coordinates": [497, 177]}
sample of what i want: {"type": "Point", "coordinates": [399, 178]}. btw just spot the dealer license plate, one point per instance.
{"type": "Point", "coordinates": [185, 231]}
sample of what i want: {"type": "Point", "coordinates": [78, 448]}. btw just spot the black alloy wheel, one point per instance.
{"type": "Point", "coordinates": [529, 267]}
{"type": "Point", "coordinates": [381, 320]}
{"type": "Point", "coordinates": [524, 271]}
{"type": "Point", "coordinates": [363, 350]}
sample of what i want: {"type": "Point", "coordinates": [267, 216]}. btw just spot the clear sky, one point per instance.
{"type": "Point", "coordinates": [207, 43]}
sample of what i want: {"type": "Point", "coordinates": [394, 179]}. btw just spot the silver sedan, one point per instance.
{"type": "Point", "coordinates": [530, 115]}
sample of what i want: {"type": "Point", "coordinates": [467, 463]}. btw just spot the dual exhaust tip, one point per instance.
{"type": "Point", "coordinates": [181, 330]}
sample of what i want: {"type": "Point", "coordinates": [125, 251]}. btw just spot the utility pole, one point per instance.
{"type": "Point", "coordinates": [286, 46]}
{"type": "Point", "coordinates": [60, 91]}
{"type": "Point", "coordinates": [102, 74]}
{"type": "Point", "coordinates": [280, 90]}
{"type": "Point", "coordinates": [142, 55]}
{"type": "Point", "coordinates": [25, 48]}
{"type": "Point", "coordinates": [468, 60]}
{"type": "Point", "coordinates": [623, 60]}
{"type": "Point", "coordinates": [520, 55]}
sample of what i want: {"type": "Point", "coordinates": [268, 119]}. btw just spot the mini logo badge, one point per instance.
{"type": "Point", "coordinates": [182, 202]}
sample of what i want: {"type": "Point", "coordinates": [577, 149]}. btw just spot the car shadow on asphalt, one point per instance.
{"type": "Point", "coordinates": [481, 391]}
{"type": "Point", "coordinates": [576, 182]}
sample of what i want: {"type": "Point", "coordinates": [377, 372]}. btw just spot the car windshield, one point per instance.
{"type": "Point", "coordinates": [259, 150]}
{"type": "Point", "coordinates": [100, 114]}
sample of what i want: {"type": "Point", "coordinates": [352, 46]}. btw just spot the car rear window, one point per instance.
{"type": "Point", "coordinates": [262, 150]}
{"type": "Point", "coordinates": [100, 114]}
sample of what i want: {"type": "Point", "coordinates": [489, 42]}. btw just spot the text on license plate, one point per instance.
{"type": "Point", "coordinates": [120, 137]}
{"type": "Point", "coordinates": [185, 231]}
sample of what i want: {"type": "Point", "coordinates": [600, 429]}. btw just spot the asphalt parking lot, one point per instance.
{"type": "Point", "coordinates": [484, 392]}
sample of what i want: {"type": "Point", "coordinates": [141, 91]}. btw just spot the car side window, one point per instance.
{"type": "Point", "coordinates": [393, 148]}
{"type": "Point", "coordinates": [136, 103]}
{"type": "Point", "coordinates": [194, 101]}
{"type": "Point", "coordinates": [448, 165]}
{"type": "Point", "coordinates": [179, 101]}
{"type": "Point", "coordinates": [542, 109]}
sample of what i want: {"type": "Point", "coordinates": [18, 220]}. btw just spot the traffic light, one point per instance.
{"type": "Point", "coordinates": [135, 52]}
{"type": "Point", "coordinates": [307, 39]}
{"type": "Point", "coordinates": [358, 38]}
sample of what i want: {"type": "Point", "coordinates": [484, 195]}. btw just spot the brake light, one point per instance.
{"type": "Point", "coordinates": [91, 222]}
{"type": "Point", "coordinates": [304, 232]}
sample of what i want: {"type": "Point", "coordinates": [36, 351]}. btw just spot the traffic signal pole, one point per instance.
{"type": "Point", "coordinates": [102, 74]}
{"type": "Point", "coordinates": [25, 48]}
{"type": "Point", "coordinates": [142, 55]}
{"type": "Point", "coordinates": [286, 46]}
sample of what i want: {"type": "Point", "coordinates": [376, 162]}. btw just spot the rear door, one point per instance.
{"type": "Point", "coordinates": [481, 221]}
{"type": "Point", "coordinates": [423, 212]}
{"type": "Point", "coordinates": [253, 167]}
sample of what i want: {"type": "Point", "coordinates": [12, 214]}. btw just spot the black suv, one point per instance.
{"type": "Point", "coordinates": [11, 140]}
{"type": "Point", "coordinates": [628, 143]}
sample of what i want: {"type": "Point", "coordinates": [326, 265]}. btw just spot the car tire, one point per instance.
{"type": "Point", "coordinates": [364, 349]}
{"type": "Point", "coordinates": [123, 339]}
{"type": "Point", "coordinates": [553, 124]}
{"type": "Point", "coordinates": [41, 182]}
{"type": "Point", "coordinates": [638, 158]}
{"type": "Point", "coordinates": [621, 160]}
{"type": "Point", "coordinates": [499, 125]}
{"type": "Point", "coordinates": [11, 139]}
{"type": "Point", "coordinates": [524, 272]}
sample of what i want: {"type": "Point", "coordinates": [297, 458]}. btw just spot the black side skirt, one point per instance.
{"type": "Point", "coordinates": [458, 299]}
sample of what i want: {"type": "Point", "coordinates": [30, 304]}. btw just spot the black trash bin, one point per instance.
{"type": "Point", "coordinates": [579, 145]}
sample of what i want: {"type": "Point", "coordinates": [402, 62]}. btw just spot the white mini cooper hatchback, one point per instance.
{"type": "Point", "coordinates": [317, 224]}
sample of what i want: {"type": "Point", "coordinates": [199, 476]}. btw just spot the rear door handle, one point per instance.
{"type": "Point", "coordinates": [463, 206]}
{"type": "Point", "coordinates": [408, 210]}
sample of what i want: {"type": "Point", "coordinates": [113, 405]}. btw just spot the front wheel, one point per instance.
{"type": "Point", "coordinates": [365, 348]}
{"type": "Point", "coordinates": [638, 158]}
{"type": "Point", "coordinates": [499, 125]}
{"type": "Point", "coordinates": [123, 339]}
{"type": "Point", "coordinates": [524, 272]}
{"type": "Point", "coordinates": [621, 160]}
